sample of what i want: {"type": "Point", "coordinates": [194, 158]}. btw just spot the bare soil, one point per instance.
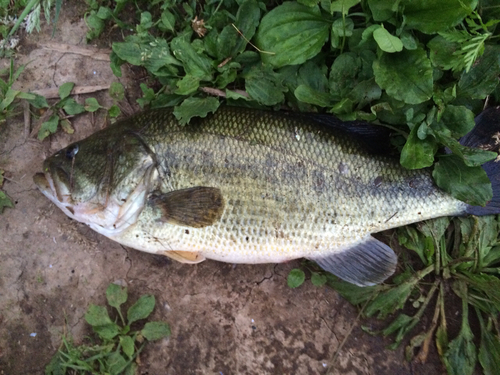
{"type": "Point", "coordinates": [225, 319]}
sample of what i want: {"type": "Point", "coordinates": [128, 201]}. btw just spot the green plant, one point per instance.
{"type": "Point", "coordinates": [7, 94]}
{"type": "Point", "coordinates": [119, 345]}
{"type": "Point", "coordinates": [31, 14]}
{"type": "Point", "coordinates": [5, 201]}
{"type": "Point", "coordinates": [58, 113]}
{"type": "Point", "coordinates": [460, 255]}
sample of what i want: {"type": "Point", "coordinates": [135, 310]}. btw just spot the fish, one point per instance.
{"type": "Point", "coordinates": [251, 186]}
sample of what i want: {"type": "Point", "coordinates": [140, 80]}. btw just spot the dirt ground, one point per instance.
{"type": "Point", "coordinates": [225, 319]}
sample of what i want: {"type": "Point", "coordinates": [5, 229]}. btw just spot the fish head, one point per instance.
{"type": "Point", "coordinates": [102, 181]}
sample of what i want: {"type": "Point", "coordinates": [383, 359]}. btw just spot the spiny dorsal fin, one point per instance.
{"type": "Point", "coordinates": [195, 207]}
{"type": "Point", "coordinates": [366, 263]}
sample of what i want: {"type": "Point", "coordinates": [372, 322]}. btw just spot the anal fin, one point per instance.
{"type": "Point", "coordinates": [365, 263]}
{"type": "Point", "coordinates": [190, 257]}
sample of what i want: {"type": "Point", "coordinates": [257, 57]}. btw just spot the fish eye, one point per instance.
{"type": "Point", "coordinates": [71, 151]}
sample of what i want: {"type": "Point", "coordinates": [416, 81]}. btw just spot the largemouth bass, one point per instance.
{"type": "Point", "coordinates": [246, 186]}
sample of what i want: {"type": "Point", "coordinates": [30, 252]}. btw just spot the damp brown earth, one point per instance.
{"type": "Point", "coordinates": [225, 318]}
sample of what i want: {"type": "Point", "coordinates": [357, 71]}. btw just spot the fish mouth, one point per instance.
{"type": "Point", "coordinates": [56, 189]}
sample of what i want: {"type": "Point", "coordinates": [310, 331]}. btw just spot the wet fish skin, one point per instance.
{"type": "Point", "coordinates": [274, 186]}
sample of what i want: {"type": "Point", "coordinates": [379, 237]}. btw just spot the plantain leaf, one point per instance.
{"type": "Point", "coordinates": [406, 75]}
{"type": "Point", "coordinates": [195, 107]}
{"type": "Point", "coordinates": [418, 153]}
{"type": "Point", "coordinates": [431, 16]}
{"type": "Point", "coordinates": [291, 34]}
{"type": "Point", "coordinates": [469, 184]}
{"type": "Point", "coordinates": [141, 309]}
{"type": "Point", "coordinates": [116, 295]}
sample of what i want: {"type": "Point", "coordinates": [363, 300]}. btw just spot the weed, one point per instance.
{"type": "Point", "coordinates": [460, 255]}
{"type": "Point", "coordinates": [117, 350]}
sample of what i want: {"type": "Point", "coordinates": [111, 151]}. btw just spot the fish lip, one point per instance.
{"type": "Point", "coordinates": [41, 182]}
{"type": "Point", "coordinates": [51, 183]}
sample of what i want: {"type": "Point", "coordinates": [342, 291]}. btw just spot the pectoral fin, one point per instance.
{"type": "Point", "coordinates": [366, 263]}
{"type": "Point", "coordinates": [185, 256]}
{"type": "Point", "coordinates": [196, 207]}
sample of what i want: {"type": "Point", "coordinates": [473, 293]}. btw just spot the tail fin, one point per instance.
{"type": "Point", "coordinates": [486, 135]}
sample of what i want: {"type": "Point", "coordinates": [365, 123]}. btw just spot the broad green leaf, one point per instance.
{"type": "Point", "coordinates": [5, 201]}
{"type": "Point", "coordinates": [114, 111]}
{"type": "Point", "coordinates": [296, 278]}
{"type": "Point", "coordinates": [71, 107]}
{"type": "Point", "coordinates": [91, 105]}
{"type": "Point", "coordinates": [167, 21]}
{"type": "Point", "coordinates": [489, 350]}
{"type": "Point", "coordinates": [356, 295]}
{"type": "Point", "coordinates": [313, 74]}
{"type": "Point", "coordinates": [155, 330]}
{"type": "Point", "coordinates": [115, 63]}
{"type": "Point", "coordinates": [141, 309]}
{"type": "Point", "coordinates": [247, 20]}
{"type": "Point", "coordinates": [406, 75]}
{"type": "Point", "coordinates": [387, 42]}
{"type": "Point", "coordinates": [391, 300]}
{"type": "Point", "coordinates": [469, 184]}
{"type": "Point", "coordinates": [441, 52]}
{"type": "Point", "coordinates": [38, 101]}
{"type": "Point", "coordinates": [226, 78]}
{"type": "Point", "coordinates": [482, 79]}
{"type": "Point", "coordinates": [382, 10]}
{"type": "Point", "coordinates": [365, 92]}
{"type": "Point", "coordinates": [117, 91]}
{"type": "Point", "coordinates": [107, 331]}
{"type": "Point", "coordinates": [127, 344]}
{"type": "Point", "coordinates": [318, 279]}
{"type": "Point", "coordinates": [48, 127]}
{"type": "Point", "coordinates": [413, 240]}
{"type": "Point", "coordinates": [95, 24]}
{"type": "Point", "coordinates": [187, 85]}
{"type": "Point", "coordinates": [343, 74]}
{"type": "Point", "coordinates": [343, 6]}
{"type": "Point", "coordinates": [306, 94]}
{"type": "Point", "coordinates": [400, 326]}
{"type": "Point", "coordinates": [65, 89]}
{"type": "Point", "coordinates": [195, 64]}
{"type": "Point", "coordinates": [264, 86]}
{"type": "Point", "coordinates": [116, 295]}
{"type": "Point", "coordinates": [291, 34]}
{"type": "Point", "coordinates": [341, 29]}
{"type": "Point", "coordinates": [309, 3]}
{"type": "Point", "coordinates": [418, 153]}
{"type": "Point", "coordinates": [97, 316]}
{"type": "Point", "coordinates": [9, 98]}
{"type": "Point", "coordinates": [195, 107]}
{"type": "Point", "coordinates": [458, 119]}
{"type": "Point", "coordinates": [430, 16]}
{"type": "Point", "coordinates": [104, 13]}
{"type": "Point", "coordinates": [472, 157]}
{"type": "Point", "coordinates": [116, 363]}
{"type": "Point", "coordinates": [153, 54]}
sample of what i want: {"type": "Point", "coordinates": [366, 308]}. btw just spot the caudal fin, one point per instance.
{"type": "Point", "coordinates": [486, 135]}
